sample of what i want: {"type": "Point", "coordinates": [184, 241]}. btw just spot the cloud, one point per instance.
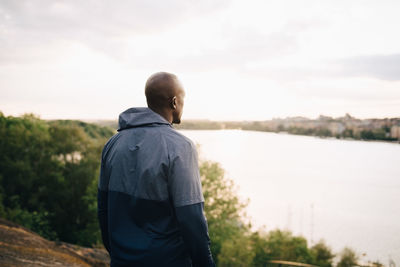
{"type": "Point", "coordinates": [383, 67]}
{"type": "Point", "coordinates": [65, 17]}
{"type": "Point", "coordinates": [27, 26]}
{"type": "Point", "coordinates": [241, 48]}
{"type": "Point", "coordinates": [256, 51]}
{"type": "Point", "coordinates": [378, 67]}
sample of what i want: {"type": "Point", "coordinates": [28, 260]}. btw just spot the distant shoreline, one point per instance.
{"type": "Point", "coordinates": [344, 128]}
{"type": "Point", "coordinates": [287, 133]}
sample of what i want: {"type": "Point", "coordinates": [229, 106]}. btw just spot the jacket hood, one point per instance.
{"type": "Point", "coordinates": [135, 117]}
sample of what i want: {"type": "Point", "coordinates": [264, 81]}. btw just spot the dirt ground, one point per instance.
{"type": "Point", "coordinates": [22, 247]}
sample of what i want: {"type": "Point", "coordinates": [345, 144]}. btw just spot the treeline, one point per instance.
{"type": "Point", "coordinates": [48, 176]}
{"type": "Point", "coordinates": [356, 129]}
{"type": "Point", "coordinates": [378, 133]}
{"type": "Point", "coordinates": [370, 134]}
{"type": "Point", "coordinates": [48, 183]}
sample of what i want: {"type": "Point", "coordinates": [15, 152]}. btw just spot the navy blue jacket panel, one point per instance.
{"type": "Point", "coordinates": [150, 202]}
{"type": "Point", "coordinates": [194, 229]}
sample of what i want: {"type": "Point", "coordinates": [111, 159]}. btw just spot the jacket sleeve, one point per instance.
{"type": "Point", "coordinates": [194, 230]}
{"type": "Point", "coordinates": [102, 214]}
{"type": "Point", "coordinates": [102, 205]}
{"type": "Point", "coordinates": [187, 197]}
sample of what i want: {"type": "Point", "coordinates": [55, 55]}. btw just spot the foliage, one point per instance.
{"type": "Point", "coordinates": [237, 251]}
{"type": "Point", "coordinates": [376, 134]}
{"type": "Point", "coordinates": [199, 124]}
{"type": "Point", "coordinates": [322, 254]}
{"type": "Point", "coordinates": [282, 245]}
{"type": "Point", "coordinates": [323, 132]}
{"type": "Point", "coordinates": [36, 221]}
{"type": "Point", "coordinates": [92, 130]}
{"type": "Point", "coordinates": [347, 133]}
{"type": "Point", "coordinates": [256, 126]}
{"type": "Point", "coordinates": [348, 258]}
{"type": "Point", "coordinates": [300, 131]}
{"type": "Point", "coordinates": [223, 208]}
{"type": "Point", "coordinates": [260, 248]}
{"type": "Point", "coordinates": [48, 174]}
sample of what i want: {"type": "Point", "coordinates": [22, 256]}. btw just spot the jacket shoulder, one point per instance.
{"type": "Point", "coordinates": [177, 142]}
{"type": "Point", "coordinates": [176, 137]}
{"type": "Point", "coordinates": [109, 143]}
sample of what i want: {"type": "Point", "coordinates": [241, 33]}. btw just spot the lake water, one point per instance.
{"type": "Point", "coordinates": [346, 192]}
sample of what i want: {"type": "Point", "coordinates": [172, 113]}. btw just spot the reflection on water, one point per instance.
{"type": "Point", "coordinates": [346, 192]}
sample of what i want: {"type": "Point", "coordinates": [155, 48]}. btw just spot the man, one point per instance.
{"type": "Point", "coordinates": [150, 203]}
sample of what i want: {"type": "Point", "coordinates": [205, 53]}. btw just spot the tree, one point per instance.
{"type": "Point", "coordinates": [48, 176]}
{"type": "Point", "coordinates": [348, 133]}
{"type": "Point", "coordinates": [237, 251]}
{"type": "Point", "coordinates": [74, 202]}
{"type": "Point", "coordinates": [223, 208]}
{"type": "Point", "coordinates": [260, 248]}
{"type": "Point", "coordinates": [367, 135]}
{"type": "Point", "coordinates": [348, 258]}
{"type": "Point", "coordinates": [322, 254]}
{"type": "Point", "coordinates": [282, 245]}
{"type": "Point", "coordinates": [26, 168]}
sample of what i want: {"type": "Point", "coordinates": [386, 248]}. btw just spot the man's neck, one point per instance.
{"type": "Point", "coordinates": [163, 113]}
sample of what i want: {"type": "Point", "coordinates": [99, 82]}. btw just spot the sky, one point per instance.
{"type": "Point", "coordinates": [238, 60]}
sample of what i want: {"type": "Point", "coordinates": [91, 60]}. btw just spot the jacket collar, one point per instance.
{"type": "Point", "coordinates": [135, 117]}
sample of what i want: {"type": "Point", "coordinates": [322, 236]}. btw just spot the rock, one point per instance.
{"type": "Point", "coordinates": [21, 247]}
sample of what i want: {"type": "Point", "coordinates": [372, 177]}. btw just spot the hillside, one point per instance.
{"type": "Point", "coordinates": [22, 247]}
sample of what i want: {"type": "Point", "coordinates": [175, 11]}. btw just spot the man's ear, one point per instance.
{"type": "Point", "coordinates": [173, 103]}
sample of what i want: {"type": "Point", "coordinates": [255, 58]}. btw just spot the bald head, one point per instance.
{"type": "Point", "coordinates": [164, 95]}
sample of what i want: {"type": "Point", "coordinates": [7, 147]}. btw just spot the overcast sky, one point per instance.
{"type": "Point", "coordinates": [238, 60]}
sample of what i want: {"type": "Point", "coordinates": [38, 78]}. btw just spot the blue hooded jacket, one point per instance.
{"type": "Point", "coordinates": [150, 202]}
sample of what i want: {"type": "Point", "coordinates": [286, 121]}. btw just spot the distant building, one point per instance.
{"type": "Point", "coordinates": [325, 118]}
{"type": "Point", "coordinates": [395, 132]}
{"type": "Point", "coordinates": [336, 128]}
